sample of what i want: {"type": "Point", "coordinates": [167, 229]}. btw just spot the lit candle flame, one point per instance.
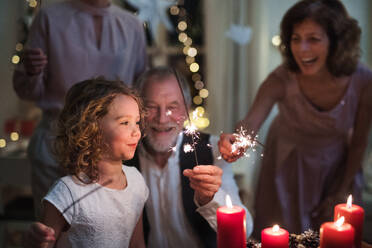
{"type": "Point", "coordinates": [275, 228]}
{"type": "Point", "coordinates": [228, 201]}
{"type": "Point", "coordinates": [340, 221]}
{"type": "Point", "coordinates": [349, 203]}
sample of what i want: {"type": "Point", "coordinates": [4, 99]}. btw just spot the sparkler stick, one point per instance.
{"type": "Point", "coordinates": [190, 132]}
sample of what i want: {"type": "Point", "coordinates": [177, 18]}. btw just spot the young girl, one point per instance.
{"type": "Point", "coordinates": [100, 202]}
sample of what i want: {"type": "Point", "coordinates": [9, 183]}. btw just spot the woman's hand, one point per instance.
{"type": "Point", "coordinates": [225, 145]}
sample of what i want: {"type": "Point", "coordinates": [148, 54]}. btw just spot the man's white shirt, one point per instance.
{"type": "Point", "coordinates": [169, 226]}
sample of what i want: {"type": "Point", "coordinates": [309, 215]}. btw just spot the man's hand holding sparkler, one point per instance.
{"type": "Point", "coordinates": [205, 180]}
{"type": "Point", "coordinates": [38, 236]}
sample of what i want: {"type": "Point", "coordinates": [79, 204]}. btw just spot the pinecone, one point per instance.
{"type": "Point", "coordinates": [310, 239]}
{"type": "Point", "coordinates": [253, 244]}
{"type": "Point", "coordinates": [294, 240]}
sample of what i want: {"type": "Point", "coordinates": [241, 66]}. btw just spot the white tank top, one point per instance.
{"type": "Point", "coordinates": [99, 216]}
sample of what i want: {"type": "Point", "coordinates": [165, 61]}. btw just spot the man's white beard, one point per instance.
{"type": "Point", "coordinates": [162, 145]}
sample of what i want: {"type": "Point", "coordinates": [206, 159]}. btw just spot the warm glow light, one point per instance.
{"type": "Point", "coordinates": [349, 202]}
{"type": "Point", "coordinates": [197, 119]}
{"type": "Point", "coordinates": [188, 42]}
{"type": "Point", "coordinates": [190, 60]}
{"type": "Point", "coordinates": [200, 110]}
{"type": "Point", "coordinates": [15, 59]}
{"type": "Point", "coordinates": [199, 85]}
{"type": "Point", "coordinates": [275, 228]}
{"type": "Point", "coordinates": [204, 123]}
{"type": "Point", "coordinates": [19, 47]}
{"type": "Point", "coordinates": [276, 40]}
{"type": "Point", "coordinates": [182, 25]}
{"type": "Point", "coordinates": [32, 3]}
{"type": "Point", "coordinates": [197, 100]}
{"type": "Point", "coordinates": [194, 67]}
{"type": "Point", "coordinates": [196, 77]}
{"type": "Point", "coordinates": [192, 52]}
{"type": "Point", "coordinates": [14, 136]}
{"type": "Point", "coordinates": [182, 37]}
{"type": "Point", "coordinates": [2, 143]}
{"type": "Point", "coordinates": [185, 49]}
{"type": "Point", "coordinates": [228, 201]}
{"type": "Point", "coordinates": [201, 122]}
{"type": "Point", "coordinates": [340, 221]}
{"type": "Point", "coordinates": [174, 10]}
{"type": "Point", "coordinates": [203, 93]}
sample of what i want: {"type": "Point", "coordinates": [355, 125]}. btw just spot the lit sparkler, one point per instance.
{"type": "Point", "coordinates": [190, 129]}
{"type": "Point", "coordinates": [188, 148]}
{"type": "Point", "coordinates": [173, 149]}
{"type": "Point", "coordinates": [244, 141]}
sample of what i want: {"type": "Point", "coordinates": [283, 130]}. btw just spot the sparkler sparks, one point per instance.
{"type": "Point", "coordinates": [173, 149]}
{"type": "Point", "coordinates": [168, 113]}
{"type": "Point", "coordinates": [188, 148]}
{"type": "Point", "coordinates": [191, 129]}
{"type": "Point", "coordinates": [243, 141]}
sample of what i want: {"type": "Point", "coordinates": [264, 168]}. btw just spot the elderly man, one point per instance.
{"type": "Point", "coordinates": [181, 209]}
{"type": "Point", "coordinates": [176, 217]}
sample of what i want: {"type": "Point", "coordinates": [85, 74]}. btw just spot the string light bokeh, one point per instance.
{"type": "Point", "coordinates": [14, 134]}
{"type": "Point", "coordinates": [198, 116]}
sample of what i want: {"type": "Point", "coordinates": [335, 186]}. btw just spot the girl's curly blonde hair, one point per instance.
{"type": "Point", "coordinates": [79, 143]}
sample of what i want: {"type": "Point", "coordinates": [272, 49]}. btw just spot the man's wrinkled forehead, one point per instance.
{"type": "Point", "coordinates": [163, 90]}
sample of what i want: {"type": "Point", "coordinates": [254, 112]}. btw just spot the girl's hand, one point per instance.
{"type": "Point", "coordinates": [205, 180]}
{"type": "Point", "coordinates": [38, 236]}
{"type": "Point", "coordinates": [225, 147]}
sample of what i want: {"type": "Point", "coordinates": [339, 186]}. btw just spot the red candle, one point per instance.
{"type": "Point", "coordinates": [231, 229]}
{"type": "Point", "coordinates": [274, 237]}
{"type": "Point", "coordinates": [336, 234]}
{"type": "Point", "coordinates": [354, 215]}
